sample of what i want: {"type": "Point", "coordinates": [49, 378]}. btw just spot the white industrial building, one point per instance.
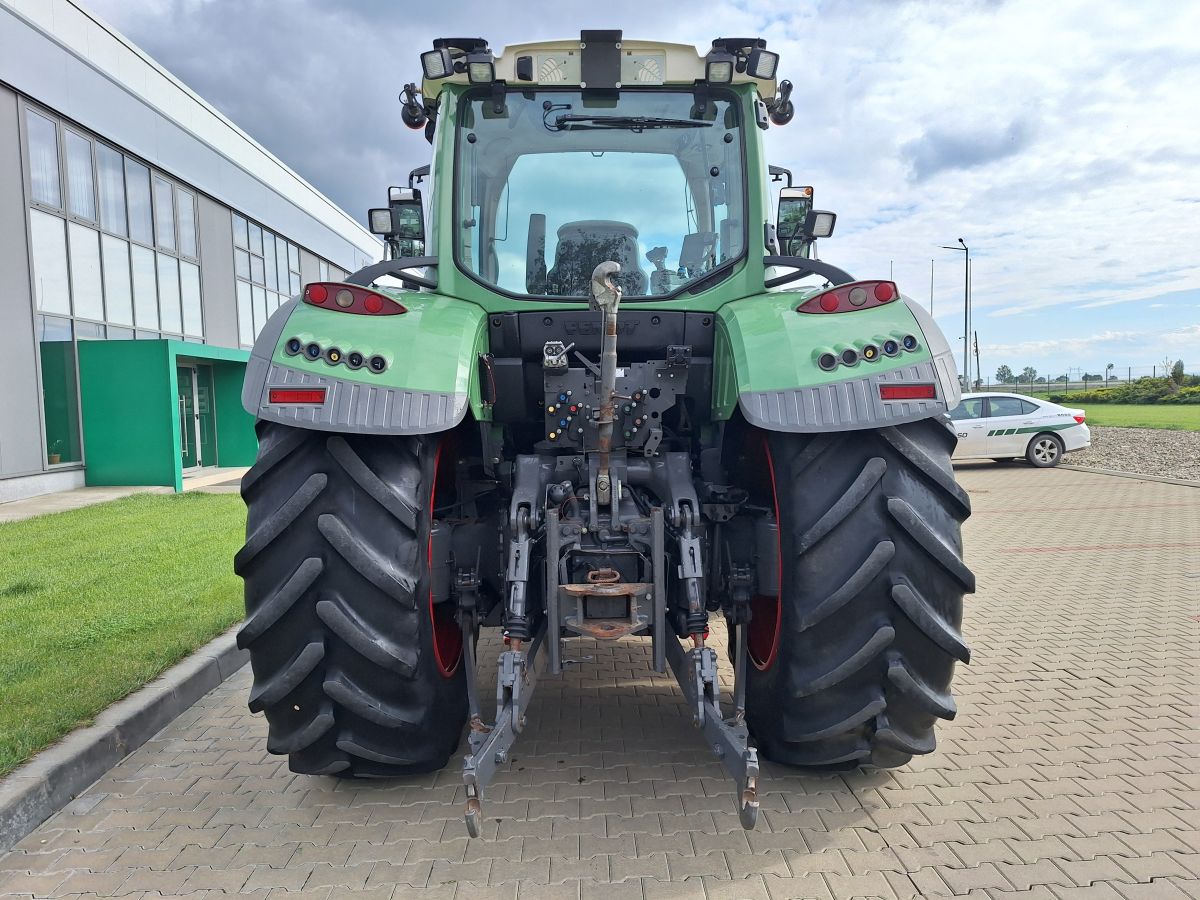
{"type": "Point", "coordinates": [131, 210]}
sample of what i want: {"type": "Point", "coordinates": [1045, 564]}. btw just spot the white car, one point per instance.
{"type": "Point", "coordinates": [1005, 426]}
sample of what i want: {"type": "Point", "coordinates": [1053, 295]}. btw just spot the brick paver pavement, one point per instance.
{"type": "Point", "coordinates": [1071, 771]}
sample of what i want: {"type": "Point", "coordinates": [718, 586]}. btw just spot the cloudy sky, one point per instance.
{"type": "Point", "coordinates": [1060, 139]}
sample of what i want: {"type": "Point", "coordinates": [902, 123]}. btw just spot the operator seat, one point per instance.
{"type": "Point", "coordinates": [584, 245]}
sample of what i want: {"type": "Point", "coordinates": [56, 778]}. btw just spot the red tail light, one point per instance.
{"type": "Point", "coordinates": [1079, 419]}
{"type": "Point", "coordinates": [296, 395]}
{"type": "Point", "coordinates": [907, 392]}
{"type": "Point", "coordinates": [849, 297]}
{"type": "Point", "coordinates": [351, 298]}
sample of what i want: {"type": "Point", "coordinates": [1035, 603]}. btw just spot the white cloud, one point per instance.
{"type": "Point", "coordinates": [1092, 344]}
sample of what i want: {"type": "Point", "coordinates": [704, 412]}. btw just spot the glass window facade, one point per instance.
{"type": "Point", "coordinates": [111, 171]}
{"type": "Point", "coordinates": [187, 223]}
{"type": "Point", "coordinates": [86, 292]}
{"type": "Point", "coordinates": [164, 214]}
{"type": "Point", "coordinates": [60, 390]}
{"type": "Point", "coordinates": [118, 296]}
{"type": "Point", "coordinates": [113, 245]}
{"type": "Point", "coordinates": [189, 290]}
{"type": "Point", "coordinates": [168, 295]}
{"type": "Point", "coordinates": [81, 186]}
{"type": "Point", "coordinates": [114, 252]}
{"type": "Point", "coordinates": [145, 288]}
{"type": "Point", "coordinates": [245, 314]}
{"type": "Point", "coordinates": [115, 255]}
{"type": "Point", "coordinates": [43, 159]}
{"type": "Point", "coordinates": [137, 193]}
{"type": "Point", "coordinates": [267, 268]}
{"type": "Point", "coordinates": [48, 243]}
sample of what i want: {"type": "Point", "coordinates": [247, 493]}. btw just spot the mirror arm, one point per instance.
{"type": "Point", "coordinates": [365, 276]}
{"type": "Point", "coordinates": [805, 267]}
{"type": "Point", "coordinates": [778, 172]}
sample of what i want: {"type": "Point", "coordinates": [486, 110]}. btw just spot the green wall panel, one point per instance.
{"type": "Point", "coordinates": [129, 395]}
{"type": "Point", "coordinates": [131, 431]}
{"type": "Point", "coordinates": [237, 444]}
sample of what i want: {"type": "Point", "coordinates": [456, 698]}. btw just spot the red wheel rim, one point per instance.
{"type": "Point", "coordinates": [762, 635]}
{"type": "Point", "coordinates": [447, 634]}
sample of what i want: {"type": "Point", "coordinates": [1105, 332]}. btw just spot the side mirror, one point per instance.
{"type": "Point", "coordinates": [795, 203]}
{"type": "Point", "coordinates": [402, 223]}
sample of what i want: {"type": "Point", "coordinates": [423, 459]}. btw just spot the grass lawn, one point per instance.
{"type": "Point", "coordinates": [1177, 416]}
{"type": "Point", "coordinates": [95, 602]}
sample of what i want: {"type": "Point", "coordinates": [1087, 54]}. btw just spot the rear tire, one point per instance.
{"type": "Point", "coordinates": [356, 670]}
{"type": "Point", "coordinates": [857, 670]}
{"type": "Point", "coordinates": [1045, 451]}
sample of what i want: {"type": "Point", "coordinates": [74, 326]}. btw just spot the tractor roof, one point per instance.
{"type": "Point", "coordinates": [609, 59]}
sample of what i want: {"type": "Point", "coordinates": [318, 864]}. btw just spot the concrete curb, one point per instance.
{"type": "Point", "coordinates": [1180, 481]}
{"type": "Point", "coordinates": [49, 781]}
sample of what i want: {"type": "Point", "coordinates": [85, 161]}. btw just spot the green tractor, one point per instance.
{"type": "Point", "coordinates": [603, 389]}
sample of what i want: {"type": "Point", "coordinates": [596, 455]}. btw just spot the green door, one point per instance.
{"type": "Point", "coordinates": [188, 445]}
{"type": "Point", "coordinates": [206, 418]}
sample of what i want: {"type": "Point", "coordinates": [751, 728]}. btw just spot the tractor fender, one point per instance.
{"type": "Point", "coordinates": [430, 378]}
{"type": "Point", "coordinates": [766, 364]}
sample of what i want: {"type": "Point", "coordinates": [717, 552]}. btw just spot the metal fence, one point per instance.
{"type": "Point", "coordinates": [1072, 380]}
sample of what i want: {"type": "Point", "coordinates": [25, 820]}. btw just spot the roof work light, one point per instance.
{"type": "Point", "coordinates": [748, 55]}
{"type": "Point", "coordinates": [481, 68]}
{"type": "Point", "coordinates": [718, 67]}
{"type": "Point", "coordinates": [437, 63]}
{"type": "Point", "coordinates": [761, 63]}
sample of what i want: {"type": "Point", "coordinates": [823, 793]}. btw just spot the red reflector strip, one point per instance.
{"type": "Point", "coordinates": [907, 392]}
{"type": "Point", "coordinates": [291, 395]}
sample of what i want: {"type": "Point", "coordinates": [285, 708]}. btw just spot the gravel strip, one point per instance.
{"type": "Point", "coordinates": [1143, 451]}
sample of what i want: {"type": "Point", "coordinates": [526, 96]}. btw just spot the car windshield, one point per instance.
{"type": "Point", "coordinates": [559, 181]}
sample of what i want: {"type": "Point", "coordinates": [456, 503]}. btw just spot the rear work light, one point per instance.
{"type": "Point", "coordinates": [350, 298]}
{"type": "Point", "coordinates": [296, 395]}
{"type": "Point", "coordinates": [849, 297]}
{"type": "Point", "coordinates": [907, 392]}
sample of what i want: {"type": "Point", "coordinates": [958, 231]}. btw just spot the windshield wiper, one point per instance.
{"type": "Point", "coordinates": [571, 121]}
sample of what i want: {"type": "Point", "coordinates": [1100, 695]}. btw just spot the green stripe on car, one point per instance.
{"type": "Point", "coordinates": [1002, 431]}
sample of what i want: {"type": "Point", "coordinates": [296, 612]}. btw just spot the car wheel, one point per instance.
{"type": "Point", "coordinates": [1045, 451]}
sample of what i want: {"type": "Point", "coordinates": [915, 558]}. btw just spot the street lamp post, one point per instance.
{"type": "Point", "coordinates": [966, 311]}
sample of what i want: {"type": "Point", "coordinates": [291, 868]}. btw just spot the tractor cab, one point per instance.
{"type": "Point", "coordinates": [560, 155]}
